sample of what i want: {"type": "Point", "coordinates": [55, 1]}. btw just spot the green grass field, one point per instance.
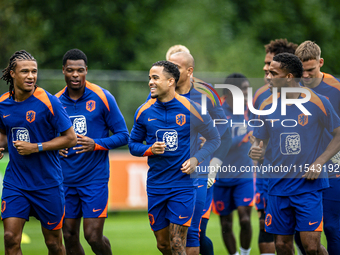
{"type": "Point", "coordinates": [129, 233]}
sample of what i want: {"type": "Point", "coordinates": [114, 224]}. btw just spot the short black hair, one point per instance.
{"type": "Point", "coordinates": [170, 68]}
{"type": "Point", "coordinates": [279, 46]}
{"type": "Point", "coordinates": [74, 54]}
{"type": "Point", "coordinates": [290, 63]}
{"type": "Point", "coordinates": [234, 79]}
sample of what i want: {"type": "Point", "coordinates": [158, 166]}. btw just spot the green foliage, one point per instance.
{"type": "Point", "coordinates": [223, 35]}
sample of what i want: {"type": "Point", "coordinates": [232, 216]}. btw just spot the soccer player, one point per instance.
{"type": "Point", "coordinates": [174, 49]}
{"type": "Point", "coordinates": [94, 113]}
{"type": "Point", "coordinates": [327, 85]}
{"type": "Point", "coordinates": [235, 189]}
{"type": "Point", "coordinates": [295, 189]}
{"type": "Point", "coordinates": [266, 240]}
{"type": "Point", "coordinates": [170, 123]}
{"type": "Point", "coordinates": [30, 122]}
{"type": "Point", "coordinates": [195, 89]}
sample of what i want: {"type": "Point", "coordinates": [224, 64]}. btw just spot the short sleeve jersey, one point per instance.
{"type": "Point", "coordinates": [94, 115]}
{"type": "Point", "coordinates": [37, 119]}
{"type": "Point", "coordinates": [295, 139]}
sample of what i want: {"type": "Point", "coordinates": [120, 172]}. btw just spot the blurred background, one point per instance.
{"type": "Point", "coordinates": [123, 38]}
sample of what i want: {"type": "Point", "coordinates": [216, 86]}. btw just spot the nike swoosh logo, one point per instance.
{"type": "Point", "coordinates": [200, 186]}
{"type": "Point", "coordinates": [151, 119]}
{"type": "Point", "coordinates": [48, 223]}
{"type": "Point", "coordinates": [5, 116]}
{"type": "Point", "coordinates": [246, 199]}
{"type": "Point", "coordinates": [338, 175]}
{"type": "Point", "coordinates": [183, 217]}
{"type": "Point", "coordinates": [94, 210]}
{"type": "Point", "coordinates": [312, 223]}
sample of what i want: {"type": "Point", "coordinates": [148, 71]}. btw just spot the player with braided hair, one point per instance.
{"type": "Point", "coordinates": [30, 121]}
{"type": "Point", "coordinates": [18, 55]}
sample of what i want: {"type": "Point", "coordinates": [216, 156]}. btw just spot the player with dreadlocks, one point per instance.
{"type": "Point", "coordinates": [30, 121]}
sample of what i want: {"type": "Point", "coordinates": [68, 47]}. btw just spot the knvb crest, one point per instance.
{"type": "Point", "coordinates": [180, 119]}
{"type": "Point", "coordinates": [90, 105]}
{"type": "Point", "coordinates": [303, 119]}
{"type": "Point", "coordinates": [30, 116]}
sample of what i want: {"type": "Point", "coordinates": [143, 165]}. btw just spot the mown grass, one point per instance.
{"type": "Point", "coordinates": [130, 234]}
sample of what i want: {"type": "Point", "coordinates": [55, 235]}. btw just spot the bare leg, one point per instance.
{"type": "Point", "coordinates": [284, 244]}
{"type": "Point", "coordinates": [163, 240]}
{"type": "Point", "coordinates": [193, 250]}
{"type": "Point", "coordinates": [227, 233]}
{"type": "Point", "coordinates": [311, 243]}
{"type": "Point", "coordinates": [93, 230]}
{"type": "Point", "coordinates": [71, 229]}
{"type": "Point", "coordinates": [54, 241]}
{"type": "Point", "coordinates": [178, 239]}
{"type": "Point", "coordinates": [244, 213]}
{"type": "Point", "coordinates": [12, 235]}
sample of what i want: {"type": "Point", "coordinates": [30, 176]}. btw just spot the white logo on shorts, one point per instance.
{"type": "Point", "coordinates": [290, 143]}
{"type": "Point", "coordinates": [20, 134]}
{"type": "Point", "coordinates": [79, 124]}
{"type": "Point", "coordinates": [169, 137]}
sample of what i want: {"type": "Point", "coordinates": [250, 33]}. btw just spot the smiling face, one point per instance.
{"type": "Point", "coordinates": [24, 76]}
{"type": "Point", "coordinates": [160, 84]}
{"type": "Point", "coordinates": [75, 74]}
{"type": "Point", "coordinates": [311, 76]}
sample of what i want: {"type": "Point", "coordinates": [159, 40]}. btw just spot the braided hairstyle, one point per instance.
{"type": "Point", "coordinates": [6, 76]}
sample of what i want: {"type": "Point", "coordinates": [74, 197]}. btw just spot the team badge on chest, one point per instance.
{"type": "Point", "coordinates": [30, 116]}
{"type": "Point", "coordinates": [90, 105]}
{"type": "Point", "coordinates": [303, 119]}
{"type": "Point", "coordinates": [180, 119]}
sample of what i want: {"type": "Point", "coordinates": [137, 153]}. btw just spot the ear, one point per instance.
{"type": "Point", "coordinates": [190, 70]}
{"type": "Point", "coordinates": [171, 81]}
{"type": "Point", "coordinates": [63, 69]}
{"type": "Point", "coordinates": [12, 73]}
{"type": "Point", "coordinates": [321, 62]}
{"type": "Point", "coordinates": [290, 77]}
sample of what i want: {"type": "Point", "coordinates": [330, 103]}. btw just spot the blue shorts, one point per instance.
{"type": "Point", "coordinates": [90, 201]}
{"type": "Point", "coordinates": [47, 205]}
{"type": "Point", "coordinates": [193, 236]}
{"type": "Point", "coordinates": [227, 199]}
{"type": "Point", "coordinates": [208, 203]}
{"type": "Point", "coordinates": [302, 212]}
{"type": "Point", "coordinates": [170, 205]}
{"type": "Point", "coordinates": [261, 195]}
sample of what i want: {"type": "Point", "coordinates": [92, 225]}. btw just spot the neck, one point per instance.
{"type": "Point", "coordinates": [183, 88]}
{"type": "Point", "coordinates": [76, 94]}
{"type": "Point", "coordinates": [20, 95]}
{"type": "Point", "coordinates": [296, 95]}
{"type": "Point", "coordinates": [168, 97]}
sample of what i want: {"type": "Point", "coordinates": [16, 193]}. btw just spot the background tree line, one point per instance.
{"type": "Point", "coordinates": [223, 35]}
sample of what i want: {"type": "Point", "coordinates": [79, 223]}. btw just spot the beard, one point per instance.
{"type": "Point", "coordinates": [155, 96]}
